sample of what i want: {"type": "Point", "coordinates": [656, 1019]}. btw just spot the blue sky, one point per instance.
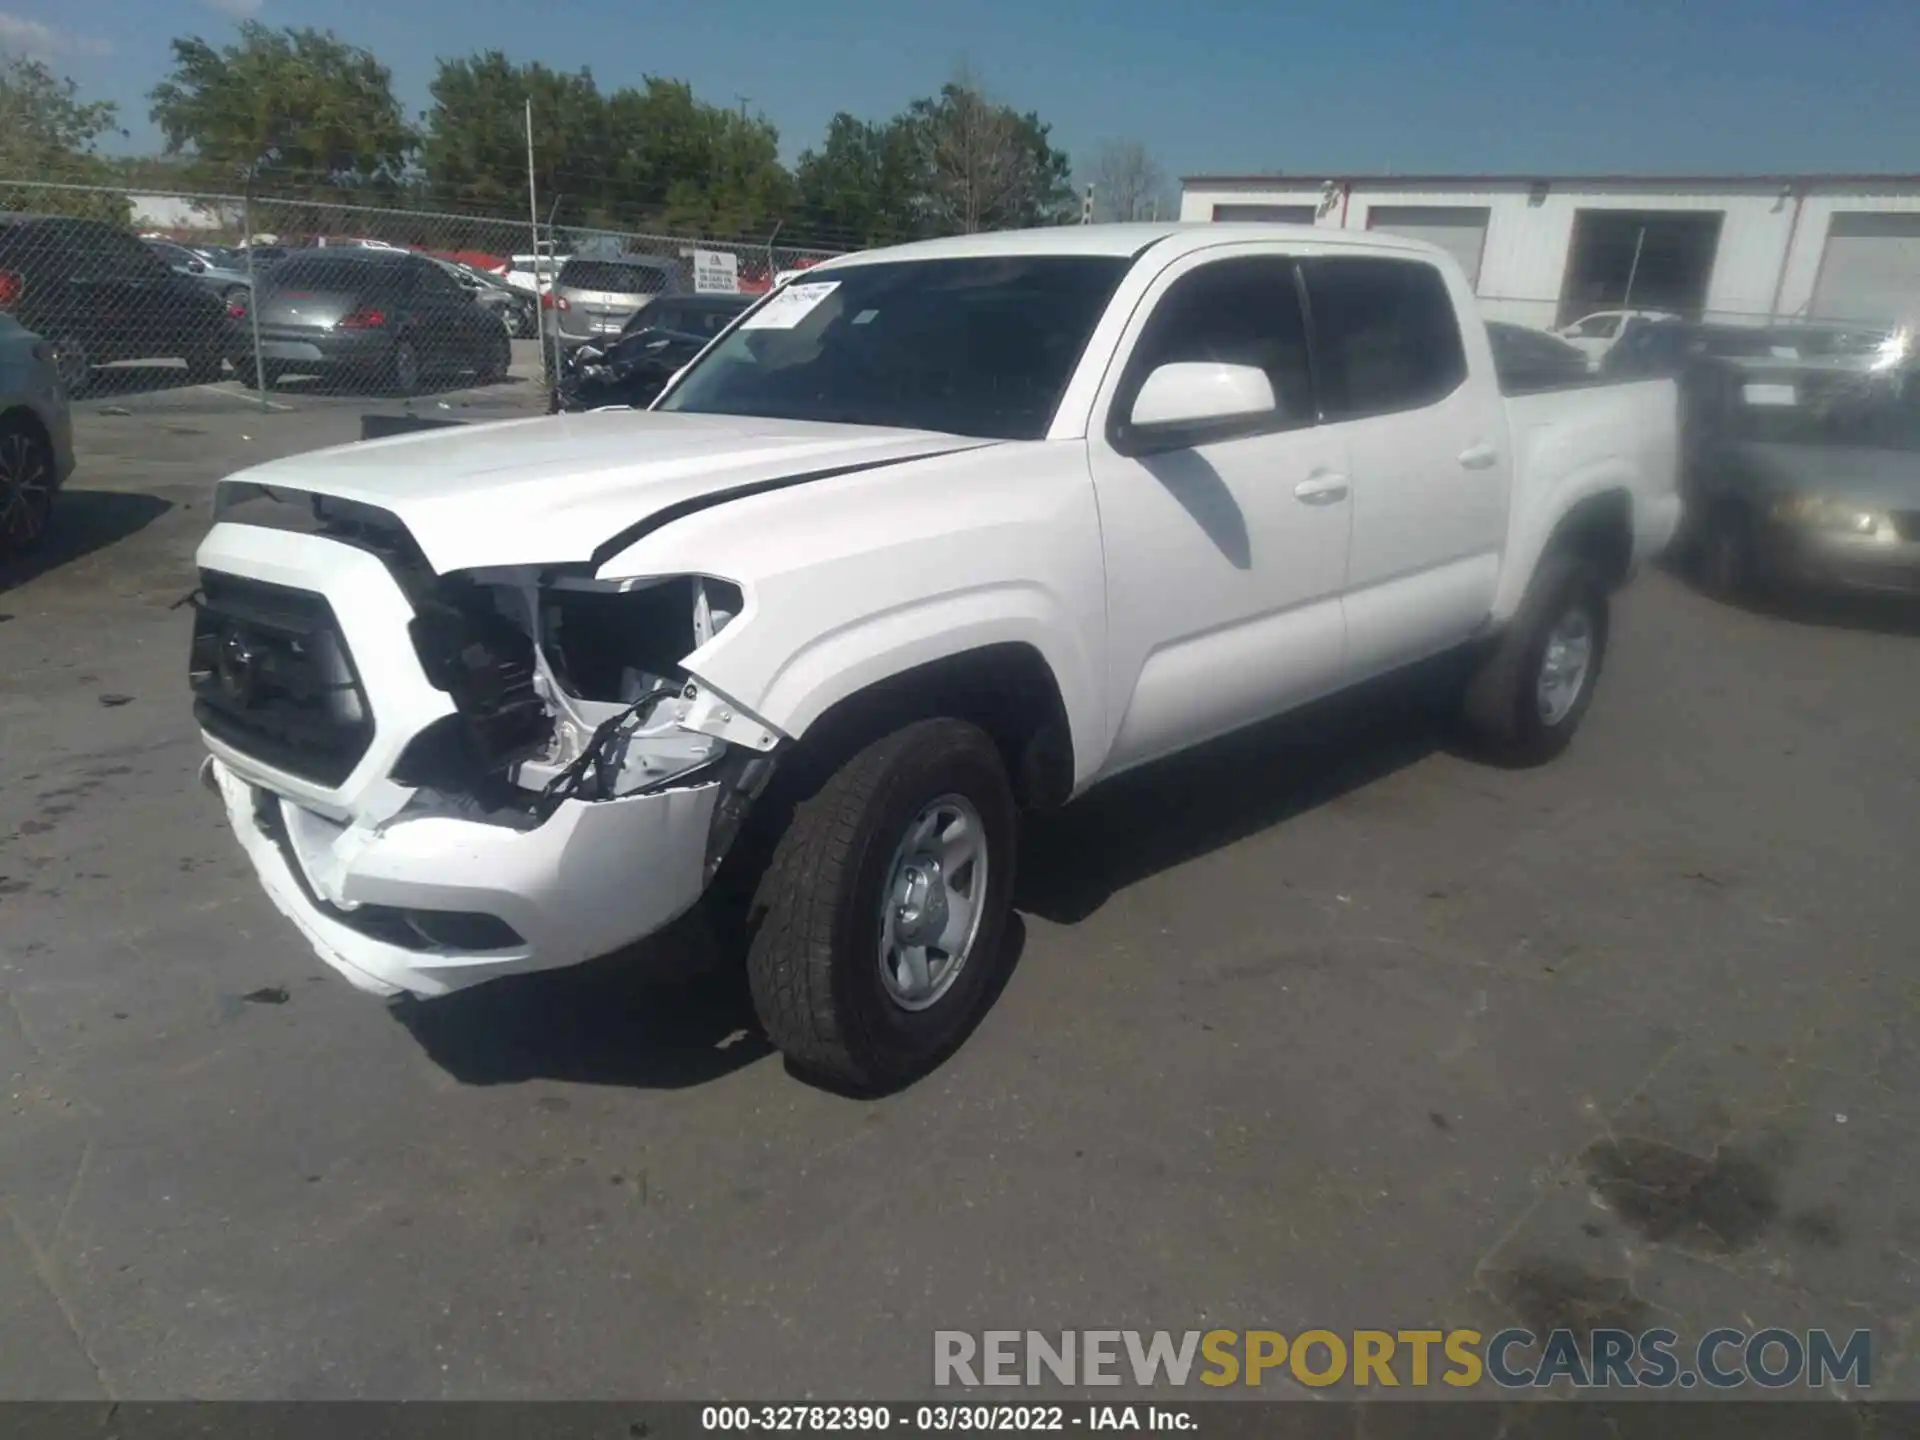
{"type": "Point", "coordinates": [1318, 86]}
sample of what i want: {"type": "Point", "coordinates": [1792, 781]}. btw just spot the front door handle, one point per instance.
{"type": "Point", "coordinates": [1321, 490]}
{"type": "Point", "coordinates": [1479, 457]}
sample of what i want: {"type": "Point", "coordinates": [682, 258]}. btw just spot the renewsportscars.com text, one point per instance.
{"type": "Point", "coordinates": [1513, 1359]}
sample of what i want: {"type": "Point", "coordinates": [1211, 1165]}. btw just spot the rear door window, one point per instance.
{"type": "Point", "coordinates": [1385, 337]}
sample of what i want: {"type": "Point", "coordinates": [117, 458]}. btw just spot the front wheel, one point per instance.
{"type": "Point", "coordinates": [877, 926]}
{"type": "Point", "coordinates": [1530, 694]}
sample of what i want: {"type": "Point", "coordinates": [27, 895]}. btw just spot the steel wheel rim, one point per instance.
{"type": "Point", "coordinates": [1564, 665]}
{"type": "Point", "coordinates": [26, 489]}
{"type": "Point", "coordinates": [932, 903]}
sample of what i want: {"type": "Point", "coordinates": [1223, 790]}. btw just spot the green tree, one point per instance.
{"type": "Point", "coordinates": [985, 166]}
{"type": "Point", "coordinates": [299, 110]}
{"type": "Point", "coordinates": [474, 149]}
{"type": "Point", "coordinates": [734, 183]}
{"type": "Point", "coordinates": [48, 133]}
{"type": "Point", "coordinates": [862, 186]}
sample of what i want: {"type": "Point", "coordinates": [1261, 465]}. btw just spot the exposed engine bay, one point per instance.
{"type": "Point", "coordinates": [564, 687]}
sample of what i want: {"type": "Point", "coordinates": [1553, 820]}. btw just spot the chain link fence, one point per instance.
{"type": "Point", "coordinates": [291, 297]}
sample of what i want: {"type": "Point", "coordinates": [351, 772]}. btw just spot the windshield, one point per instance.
{"type": "Point", "coordinates": [967, 347]}
{"type": "Point", "coordinates": [1868, 412]}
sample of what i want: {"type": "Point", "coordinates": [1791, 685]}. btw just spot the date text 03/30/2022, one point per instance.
{"type": "Point", "coordinates": [962, 1419]}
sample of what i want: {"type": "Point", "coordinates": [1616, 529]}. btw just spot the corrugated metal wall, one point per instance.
{"type": "Point", "coordinates": [1772, 239]}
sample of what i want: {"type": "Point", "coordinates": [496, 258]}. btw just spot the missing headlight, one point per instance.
{"type": "Point", "coordinates": [614, 646]}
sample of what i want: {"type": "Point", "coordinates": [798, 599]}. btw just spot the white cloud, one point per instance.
{"type": "Point", "coordinates": [28, 37]}
{"type": "Point", "coordinates": [234, 9]}
{"type": "Point", "coordinates": [41, 41]}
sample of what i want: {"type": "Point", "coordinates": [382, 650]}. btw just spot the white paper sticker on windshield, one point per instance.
{"type": "Point", "coordinates": [1770, 394]}
{"type": "Point", "coordinates": [790, 306]}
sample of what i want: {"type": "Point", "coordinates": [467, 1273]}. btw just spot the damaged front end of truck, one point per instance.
{"type": "Point", "coordinates": [441, 778]}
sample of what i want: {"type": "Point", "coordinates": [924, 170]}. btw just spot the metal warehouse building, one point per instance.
{"type": "Point", "coordinates": [1544, 250]}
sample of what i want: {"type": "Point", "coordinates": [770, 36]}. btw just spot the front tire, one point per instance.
{"type": "Point", "coordinates": [1530, 694]}
{"type": "Point", "coordinates": [26, 487]}
{"type": "Point", "coordinates": [877, 925]}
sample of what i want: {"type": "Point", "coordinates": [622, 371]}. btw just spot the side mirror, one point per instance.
{"type": "Point", "coordinates": [1198, 396]}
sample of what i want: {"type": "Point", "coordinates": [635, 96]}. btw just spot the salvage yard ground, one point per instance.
{"type": "Point", "coordinates": [1322, 1027]}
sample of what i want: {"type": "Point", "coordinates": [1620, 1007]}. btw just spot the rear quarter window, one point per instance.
{"type": "Point", "coordinates": [1385, 336]}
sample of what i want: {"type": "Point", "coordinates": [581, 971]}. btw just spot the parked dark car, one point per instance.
{"type": "Point", "coordinates": [632, 371]}
{"type": "Point", "coordinates": [210, 269]}
{"type": "Point", "coordinates": [702, 315]}
{"type": "Point", "coordinates": [514, 308]}
{"type": "Point", "coordinates": [593, 300]}
{"type": "Point", "coordinates": [1802, 473]}
{"type": "Point", "coordinates": [1527, 360]}
{"type": "Point", "coordinates": [381, 317]}
{"type": "Point", "coordinates": [97, 295]}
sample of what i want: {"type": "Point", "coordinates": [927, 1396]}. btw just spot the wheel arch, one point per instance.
{"type": "Point", "coordinates": [1005, 686]}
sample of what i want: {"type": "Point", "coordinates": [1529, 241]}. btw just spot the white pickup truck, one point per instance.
{"type": "Point", "coordinates": [935, 534]}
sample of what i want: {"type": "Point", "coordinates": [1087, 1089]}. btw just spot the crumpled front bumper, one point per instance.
{"type": "Point", "coordinates": [597, 875]}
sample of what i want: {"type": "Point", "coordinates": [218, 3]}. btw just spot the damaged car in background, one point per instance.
{"type": "Point", "coordinates": [929, 537]}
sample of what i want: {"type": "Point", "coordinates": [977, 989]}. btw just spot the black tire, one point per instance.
{"type": "Point", "coordinates": [403, 367]}
{"type": "Point", "coordinates": [1727, 561]}
{"type": "Point", "coordinates": [206, 366]}
{"type": "Point", "coordinates": [499, 359]}
{"type": "Point", "coordinates": [1505, 717]}
{"type": "Point", "coordinates": [813, 960]}
{"type": "Point", "coordinates": [26, 485]}
{"type": "Point", "coordinates": [74, 364]}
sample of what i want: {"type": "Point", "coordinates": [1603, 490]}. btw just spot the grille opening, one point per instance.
{"type": "Point", "coordinates": [271, 676]}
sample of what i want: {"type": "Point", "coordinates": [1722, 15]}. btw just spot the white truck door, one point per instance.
{"type": "Point", "coordinates": [1226, 547]}
{"type": "Point", "coordinates": [1426, 433]}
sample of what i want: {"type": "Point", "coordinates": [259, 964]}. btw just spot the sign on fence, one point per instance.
{"type": "Point", "coordinates": [716, 272]}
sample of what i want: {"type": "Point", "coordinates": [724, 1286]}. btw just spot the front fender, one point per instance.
{"type": "Point", "coordinates": [838, 664]}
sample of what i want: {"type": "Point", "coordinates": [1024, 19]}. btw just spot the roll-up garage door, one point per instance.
{"type": "Point", "coordinates": [1870, 269]}
{"type": "Point", "coordinates": [1460, 230]}
{"type": "Point", "coordinates": [1270, 214]}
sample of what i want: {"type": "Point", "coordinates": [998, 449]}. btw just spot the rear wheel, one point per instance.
{"type": "Point", "coordinates": [26, 486]}
{"type": "Point", "coordinates": [206, 365]}
{"type": "Point", "coordinates": [499, 358]}
{"type": "Point", "coordinates": [403, 367]}
{"type": "Point", "coordinates": [73, 363]}
{"type": "Point", "coordinates": [877, 926]}
{"type": "Point", "coordinates": [1529, 696]}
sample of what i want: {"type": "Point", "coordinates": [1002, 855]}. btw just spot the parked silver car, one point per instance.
{"type": "Point", "coordinates": [211, 269]}
{"type": "Point", "coordinates": [36, 436]}
{"type": "Point", "coordinates": [594, 299]}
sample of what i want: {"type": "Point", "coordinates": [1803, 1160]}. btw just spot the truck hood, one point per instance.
{"type": "Point", "coordinates": [562, 489]}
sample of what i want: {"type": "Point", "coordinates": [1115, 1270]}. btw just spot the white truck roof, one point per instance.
{"type": "Point", "coordinates": [1127, 240]}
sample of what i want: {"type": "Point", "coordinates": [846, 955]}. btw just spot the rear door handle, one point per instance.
{"type": "Point", "coordinates": [1479, 457]}
{"type": "Point", "coordinates": [1321, 489]}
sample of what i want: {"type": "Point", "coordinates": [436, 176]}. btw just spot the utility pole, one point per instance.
{"type": "Point", "coordinates": [1086, 208]}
